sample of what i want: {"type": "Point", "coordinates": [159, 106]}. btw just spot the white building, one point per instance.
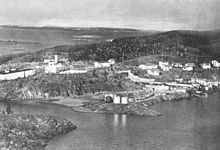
{"type": "Point", "coordinates": [73, 71]}
{"type": "Point", "coordinates": [48, 60]}
{"type": "Point", "coordinates": [148, 66]}
{"type": "Point", "coordinates": [116, 99]}
{"type": "Point", "coordinates": [161, 63]}
{"type": "Point", "coordinates": [104, 64]}
{"type": "Point", "coordinates": [190, 65]}
{"type": "Point", "coordinates": [52, 67]}
{"type": "Point", "coordinates": [165, 67]}
{"type": "Point", "coordinates": [178, 65]}
{"type": "Point", "coordinates": [111, 61]}
{"type": "Point", "coordinates": [187, 68]}
{"type": "Point", "coordinates": [215, 63]}
{"type": "Point", "coordinates": [15, 74]}
{"type": "Point", "coordinates": [153, 72]}
{"type": "Point", "coordinates": [205, 66]}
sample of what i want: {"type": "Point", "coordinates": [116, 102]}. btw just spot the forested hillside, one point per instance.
{"type": "Point", "coordinates": [185, 44]}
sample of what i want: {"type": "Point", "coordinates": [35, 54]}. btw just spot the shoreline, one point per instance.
{"type": "Point", "coordinates": [86, 103]}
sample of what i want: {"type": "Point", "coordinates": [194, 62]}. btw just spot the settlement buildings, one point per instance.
{"type": "Point", "coordinates": [53, 65]}
{"type": "Point", "coordinates": [15, 74]}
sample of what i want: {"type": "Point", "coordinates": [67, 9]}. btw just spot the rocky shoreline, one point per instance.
{"type": "Point", "coordinates": [30, 132]}
{"type": "Point", "coordinates": [141, 108]}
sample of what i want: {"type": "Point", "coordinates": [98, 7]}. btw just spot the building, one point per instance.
{"type": "Point", "coordinates": [161, 63]}
{"type": "Point", "coordinates": [187, 68]}
{"type": "Point", "coordinates": [165, 67]}
{"type": "Point", "coordinates": [215, 63]}
{"type": "Point", "coordinates": [153, 72]}
{"type": "Point", "coordinates": [104, 64]}
{"type": "Point", "coordinates": [206, 65]}
{"type": "Point", "coordinates": [177, 65]}
{"type": "Point", "coordinates": [48, 60]}
{"type": "Point", "coordinates": [15, 74]}
{"type": "Point", "coordinates": [148, 66]}
{"type": "Point", "coordinates": [111, 61]}
{"type": "Point", "coordinates": [190, 65]}
{"type": "Point", "coordinates": [73, 71]}
{"type": "Point", "coordinates": [52, 67]}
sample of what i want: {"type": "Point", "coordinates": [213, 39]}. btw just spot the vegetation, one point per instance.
{"type": "Point", "coordinates": [27, 131]}
{"type": "Point", "coordinates": [181, 44]}
{"type": "Point", "coordinates": [178, 45]}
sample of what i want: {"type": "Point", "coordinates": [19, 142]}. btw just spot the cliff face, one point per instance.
{"type": "Point", "coordinates": [45, 86]}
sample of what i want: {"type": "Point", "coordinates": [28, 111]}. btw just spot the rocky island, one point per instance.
{"type": "Point", "coordinates": [30, 132]}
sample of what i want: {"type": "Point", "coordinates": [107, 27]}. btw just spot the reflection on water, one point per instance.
{"type": "Point", "coordinates": [120, 120]}
{"type": "Point", "coordinates": [116, 120]}
{"type": "Point", "coordinates": [187, 124]}
{"type": "Point", "coordinates": [124, 120]}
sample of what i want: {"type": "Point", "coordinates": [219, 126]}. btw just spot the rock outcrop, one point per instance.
{"type": "Point", "coordinates": [25, 131]}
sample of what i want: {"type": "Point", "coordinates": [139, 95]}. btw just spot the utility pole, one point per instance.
{"type": "Point", "coordinates": [123, 56]}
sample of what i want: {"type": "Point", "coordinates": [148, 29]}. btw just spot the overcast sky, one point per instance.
{"type": "Point", "coordinates": [140, 14]}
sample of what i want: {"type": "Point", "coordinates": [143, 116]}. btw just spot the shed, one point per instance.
{"type": "Point", "coordinates": [124, 100]}
{"type": "Point", "coordinates": [117, 99]}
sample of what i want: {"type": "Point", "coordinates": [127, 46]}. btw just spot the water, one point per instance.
{"type": "Point", "coordinates": [184, 125]}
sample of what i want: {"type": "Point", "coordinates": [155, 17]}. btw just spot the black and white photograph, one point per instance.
{"type": "Point", "coordinates": [109, 74]}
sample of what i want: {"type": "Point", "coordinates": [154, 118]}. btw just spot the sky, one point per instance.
{"type": "Point", "coordinates": [160, 15]}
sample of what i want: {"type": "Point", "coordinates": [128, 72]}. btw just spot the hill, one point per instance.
{"type": "Point", "coordinates": [192, 46]}
{"type": "Point", "coordinates": [183, 44]}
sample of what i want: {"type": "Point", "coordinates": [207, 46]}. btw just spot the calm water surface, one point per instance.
{"type": "Point", "coordinates": [185, 125]}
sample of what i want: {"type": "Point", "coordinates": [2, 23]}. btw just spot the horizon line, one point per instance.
{"type": "Point", "coordinates": [92, 27]}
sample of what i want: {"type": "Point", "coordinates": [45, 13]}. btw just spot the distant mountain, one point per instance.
{"type": "Point", "coordinates": [64, 35]}
{"type": "Point", "coordinates": [55, 36]}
